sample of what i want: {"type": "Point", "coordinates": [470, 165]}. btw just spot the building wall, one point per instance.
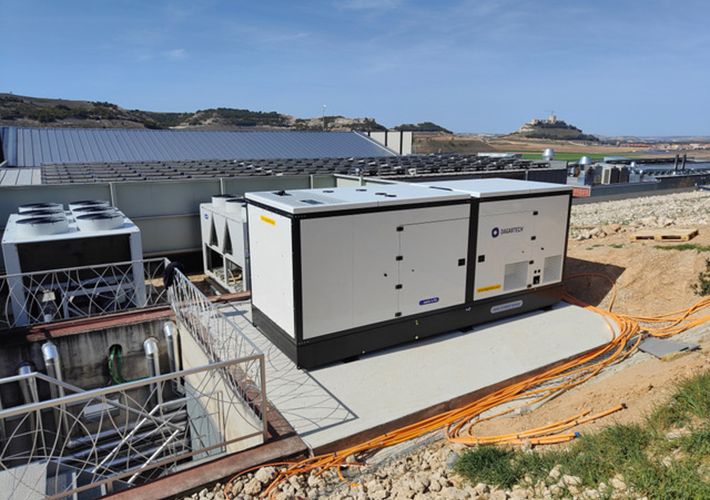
{"type": "Point", "coordinates": [84, 356]}
{"type": "Point", "coordinates": [399, 142]}
{"type": "Point", "coordinates": [237, 424]}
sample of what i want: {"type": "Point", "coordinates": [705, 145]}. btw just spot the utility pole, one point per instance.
{"type": "Point", "coordinates": [324, 118]}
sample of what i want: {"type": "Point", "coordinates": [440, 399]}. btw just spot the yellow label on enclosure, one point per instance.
{"type": "Point", "coordinates": [268, 221]}
{"type": "Point", "coordinates": [488, 288]}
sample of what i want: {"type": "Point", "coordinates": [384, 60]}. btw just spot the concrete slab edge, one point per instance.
{"type": "Point", "coordinates": [222, 470]}
{"type": "Point", "coordinates": [437, 409]}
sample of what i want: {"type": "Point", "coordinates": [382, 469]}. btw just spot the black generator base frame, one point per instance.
{"type": "Point", "coordinates": [313, 353]}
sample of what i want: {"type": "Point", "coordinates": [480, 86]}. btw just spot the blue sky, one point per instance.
{"type": "Point", "coordinates": [610, 67]}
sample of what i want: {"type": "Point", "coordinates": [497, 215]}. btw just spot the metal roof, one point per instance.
{"type": "Point", "coordinates": [20, 176]}
{"type": "Point", "coordinates": [33, 147]}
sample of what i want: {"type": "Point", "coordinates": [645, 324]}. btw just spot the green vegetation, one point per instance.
{"type": "Point", "coordinates": [684, 246]}
{"type": "Point", "coordinates": [422, 127]}
{"type": "Point", "coordinates": [167, 120]}
{"type": "Point", "coordinates": [53, 112]}
{"type": "Point", "coordinates": [246, 118]}
{"type": "Point", "coordinates": [702, 287]}
{"type": "Point", "coordinates": [15, 108]}
{"type": "Point", "coordinates": [666, 458]}
{"type": "Point", "coordinates": [616, 245]}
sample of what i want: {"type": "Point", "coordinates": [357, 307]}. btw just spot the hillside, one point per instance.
{"type": "Point", "coordinates": [553, 129]}
{"type": "Point", "coordinates": [23, 111]}
{"type": "Point", "coordinates": [447, 143]}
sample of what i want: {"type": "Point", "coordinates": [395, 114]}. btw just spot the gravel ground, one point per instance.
{"type": "Point", "coordinates": [679, 209]}
{"type": "Point", "coordinates": [424, 472]}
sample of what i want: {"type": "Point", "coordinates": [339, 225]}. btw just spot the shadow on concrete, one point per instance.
{"type": "Point", "coordinates": [591, 289]}
{"type": "Point", "coordinates": [304, 403]}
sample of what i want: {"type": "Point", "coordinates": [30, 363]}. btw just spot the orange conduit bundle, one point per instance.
{"type": "Point", "coordinates": [458, 424]}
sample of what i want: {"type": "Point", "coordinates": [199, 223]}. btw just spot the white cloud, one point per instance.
{"type": "Point", "coordinates": [369, 4]}
{"type": "Point", "coordinates": [177, 54]}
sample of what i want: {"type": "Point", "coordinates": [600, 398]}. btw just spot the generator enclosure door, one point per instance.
{"type": "Point", "coordinates": [520, 244]}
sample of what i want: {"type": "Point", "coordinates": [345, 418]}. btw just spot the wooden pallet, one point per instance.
{"type": "Point", "coordinates": [664, 234]}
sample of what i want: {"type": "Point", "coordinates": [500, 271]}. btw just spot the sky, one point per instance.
{"type": "Point", "coordinates": [609, 67]}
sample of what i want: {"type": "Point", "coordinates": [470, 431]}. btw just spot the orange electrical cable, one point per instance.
{"type": "Point", "coordinates": [627, 333]}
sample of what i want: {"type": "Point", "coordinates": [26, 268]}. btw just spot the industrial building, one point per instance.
{"type": "Point", "coordinates": [334, 254]}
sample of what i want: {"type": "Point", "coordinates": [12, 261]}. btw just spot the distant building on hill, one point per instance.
{"type": "Point", "coordinates": [552, 128]}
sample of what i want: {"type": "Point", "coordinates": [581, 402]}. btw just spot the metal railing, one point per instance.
{"type": "Point", "coordinates": [28, 299]}
{"type": "Point", "coordinates": [219, 338]}
{"type": "Point", "coordinates": [108, 439]}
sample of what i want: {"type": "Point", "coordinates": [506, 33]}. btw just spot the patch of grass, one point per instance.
{"type": "Point", "coordinates": [616, 245]}
{"type": "Point", "coordinates": [702, 287]}
{"type": "Point", "coordinates": [595, 246]}
{"type": "Point", "coordinates": [684, 246]}
{"type": "Point", "coordinates": [679, 481]}
{"type": "Point", "coordinates": [595, 457]}
{"type": "Point", "coordinates": [651, 463]}
{"type": "Point", "coordinates": [691, 399]}
{"type": "Point", "coordinates": [696, 443]}
{"type": "Point", "coordinates": [490, 464]}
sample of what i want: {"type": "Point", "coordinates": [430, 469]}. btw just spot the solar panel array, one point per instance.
{"type": "Point", "coordinates": [384, 167]}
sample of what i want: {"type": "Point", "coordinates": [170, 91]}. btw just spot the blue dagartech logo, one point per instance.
{"type": "Point", "coordinates": [495, 232]}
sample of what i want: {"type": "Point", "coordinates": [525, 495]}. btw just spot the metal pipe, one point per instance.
{"type": "Point", "coordinates": [126, 439]}
{"type": "Point", "coordinates": [155, 455]}
{"type": "Point", "coordinates": [152, 358]}
{"type": "Point", "coordinates": [50, 354]}
{"type": "Point", "coordinates": [107, 446]}
{"type": "Point", "coordinates": [28, 388]}
{"type": "Point", "coordinates": [3, 430]}
{"type": "Point", "coordinates": [83, 396]}
{"type": "Point", "coordinates": [682, 167]}
{"type": "Point", "coordinates": [675, 164]}
{"type": "Point", "coordinates": [170, 331]}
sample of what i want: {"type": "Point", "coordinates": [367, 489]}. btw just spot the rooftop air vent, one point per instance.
{"type": "Point", "coordinates": [42, 226]}
{"type": "Point", "coordinates": [53, 207]}
{"type": "Point", "coordinates": [235, 205]}
{"type": "Point", "coordinates": [94, 210]}
{"type": "Point", "coordinates": [101, 221]}
{"type": "Point", "coordinates": [88, 203]}
{"type": "Point", "coordinates": [218, 201]}
{"type": "Point", "coordinates": [43, 213]}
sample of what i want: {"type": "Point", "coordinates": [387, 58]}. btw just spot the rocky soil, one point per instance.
{"type": "Point", "coordinates": [649, 280]}
{"type": "Point", "coordinates": [680, 209]}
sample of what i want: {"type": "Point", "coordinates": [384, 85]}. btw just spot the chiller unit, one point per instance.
{"type": "Point", "coordinates": [340, 272]}
{"type": "Point", "coordinates": [225, 250]}
{"type": "Point", "coordinates": [44, 237]}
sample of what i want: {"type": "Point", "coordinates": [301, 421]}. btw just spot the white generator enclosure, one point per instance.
{"type": "Point", "coordinates": [225, 250]}
{"type": "Point", "coordinates": [344, 271]}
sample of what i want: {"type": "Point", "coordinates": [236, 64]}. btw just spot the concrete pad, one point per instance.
{"type": "Point", "coordinates": [346, 402]}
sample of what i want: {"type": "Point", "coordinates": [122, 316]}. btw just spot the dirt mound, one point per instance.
{"type": "Point", "coordinates": [649, 281]}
